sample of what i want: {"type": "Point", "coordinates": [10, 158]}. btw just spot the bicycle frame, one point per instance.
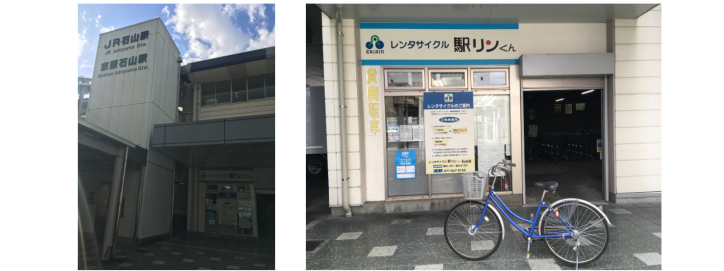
{"type": "Point", "coordinates": [494, 198]}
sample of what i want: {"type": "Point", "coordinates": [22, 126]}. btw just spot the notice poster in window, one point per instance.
{"type": "Point", "coordinates": [418, 132]}
{"type": "Point", "coordinates": [569, 108]}
{"type": "Point", "coordinates": [405, 165]}
{"type": "Point", "coordinates": [405, 133]}
{"type": "Point", "coordinates": [393, 133]}
{"type": "Point", "coordinates": [580, 106]}
{"type": "Point", "coordinates": [557, 108]}
{"type": "Point", "coordinates": [449, 142]}
{"type": "Point", "coordinates": [228, 207]}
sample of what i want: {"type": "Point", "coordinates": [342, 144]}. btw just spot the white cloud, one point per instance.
{"type": "Point", "coordinates": [265, 39]}
{"type": "Point", "coordinates": [210, 32]}
{"type": "Point", "coordinates": [253, 10]}
{"type": "Point", "coordinates": [81, 41]}
{"type": "Point", "coordinates": [106, 29]}
{"type": "Point", "coordinates": [166, 11]}
{"type": "Point", "coordinates": [101, 27]}
{"type": "Point", "coordinates": [83, 15]}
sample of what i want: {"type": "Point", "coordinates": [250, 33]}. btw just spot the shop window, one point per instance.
{"type": "Point", "coordinates": [269, 84]}
{"type": "Point", "coordinates": [404, 79]}
{"type": "Point", "coordinates": [489, 78]}
{"type": "Point", "coordinates": [256, 87]}
{"type": "Point", "coordinates": [239, 92]}
{"type": "Point", "coordinates": [448, 79]}
{"type": "Point", "coordinates": [404, 138]}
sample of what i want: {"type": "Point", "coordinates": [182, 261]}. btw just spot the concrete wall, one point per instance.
{"type": "Point", "coordinates": [637, 103]}
{"type": "Point", "coordinates": [329, 40]}
{"type": "Point", "coordinates": [562, 38]}
{"type": "Point", "coordinates": [155, 217]}
{"type": "Point", "coordinates": [128, 105]}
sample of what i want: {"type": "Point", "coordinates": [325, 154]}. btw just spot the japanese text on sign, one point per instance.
{"type": "Point", "coordinates": [373, 102]}
{"type": "Point", "coordinates": [449, 146]}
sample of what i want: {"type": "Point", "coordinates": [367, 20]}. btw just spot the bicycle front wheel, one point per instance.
{"type": "Point", "coordinates": [473, 245]}
{"type": "Point", "coordinates": [588, 222]}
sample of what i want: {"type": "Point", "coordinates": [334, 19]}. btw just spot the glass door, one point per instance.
{"type": "Point", "coordinates": [405, 146]}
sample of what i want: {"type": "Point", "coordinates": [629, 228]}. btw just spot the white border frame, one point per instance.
{"type": "Point", "coordinates": [449, 88]}
{"type": "Point", "coordinates": [473, 87]}
{"type": "Point", "coordinates": [398, 88]}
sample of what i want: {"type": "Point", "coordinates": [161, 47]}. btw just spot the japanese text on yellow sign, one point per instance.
{"type": "Point", "coordinates": [373, 102]}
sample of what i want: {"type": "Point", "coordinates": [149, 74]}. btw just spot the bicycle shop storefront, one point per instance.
{"type": "Point", "coordinates": [560, 145]}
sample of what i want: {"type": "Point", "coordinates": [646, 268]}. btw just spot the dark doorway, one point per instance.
{"type": "Point", "coordinates": [561, 132]}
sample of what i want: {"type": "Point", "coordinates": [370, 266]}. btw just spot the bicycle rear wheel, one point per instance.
{"type": "Point", "coordinates": [476, 245]}
{"type": "Point", "coordinates": [588, 222]}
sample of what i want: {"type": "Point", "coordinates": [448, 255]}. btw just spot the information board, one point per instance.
{"type": "Point", "coordinates": [227, 208]}
{"type": "Point", "coordinates": [449, 139]}
{"type": "Point", "coordinates": [405, 165]}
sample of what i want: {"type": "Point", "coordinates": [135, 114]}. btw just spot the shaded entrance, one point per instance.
{"type": "Point", "coordinates": [561, 132]}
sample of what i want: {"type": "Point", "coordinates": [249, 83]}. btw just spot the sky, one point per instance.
{"type": "Point", "coordinates": [199, 31]}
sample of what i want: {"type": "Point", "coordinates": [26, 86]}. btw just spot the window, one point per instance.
{"type": "Point", "coordinates": [239, 90]}
{"type": "Point", "coordinates": [269, 83]}
{"type": "Point", "coordinates": [404, 117]}
{"type": "Point", "coordinates": [447, 79]}
{"type": "Point", "coordinates": [404, 79]}
{"type": "Point", "coordinates": [256, 87]}
{"type": "Point", "coordinates": [208, 94]}
{"type": "Point", "coordinates": [223, 92]}
{"type": "Point", "coordinates": [489, 78]}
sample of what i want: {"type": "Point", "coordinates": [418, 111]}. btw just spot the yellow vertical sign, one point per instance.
{"type": "Point", "coordinates": [373, 102]}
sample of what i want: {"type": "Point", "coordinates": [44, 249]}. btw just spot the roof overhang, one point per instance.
{"type": "Point", "coordinates": [232, 66]}
{"type": "Point", "coordinates": [488, 13]}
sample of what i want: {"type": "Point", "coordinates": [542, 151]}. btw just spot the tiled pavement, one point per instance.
{"type": "Point", "coordinates": [185, 252]}
{"type": "Point", "coordinates": [415, 241]}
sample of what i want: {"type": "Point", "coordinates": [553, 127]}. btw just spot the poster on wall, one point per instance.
{"type": "Point", "coordinates": [569, 108]}
{"type": "Point", "coordinates": [227, 208]}
{"type": "Point", "coordinates": [449, 139]}
{"type": "Point", "coordinates": [580, 106]}
{"type": "Point", "coordinates": [557, 108]}
{"type": "Point", "coordinates": [405, 165]}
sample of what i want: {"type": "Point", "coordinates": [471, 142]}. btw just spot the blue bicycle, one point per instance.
{"type": "Point", "coordinates": [574, 230]}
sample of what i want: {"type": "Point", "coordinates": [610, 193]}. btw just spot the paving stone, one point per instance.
{"type": "Point", "coordinates": [349, 236]}
{"type": "Point", "coordinates": [620, 211]}
{"type": "Point", "coordinates": [652, 258]}
{"type": "Point", "coordinates": [429, 267]}
{"type": "Point", "coordinates": [401, 221]}
{"type": "Point", "coordinates": [158, 262]}
{"type": "Point", "coordinates": [658, 234]}
{"type": "Point", "coordinates": [382, 251]}
{"type": "Point", "coordinates": [543, 264]}
{"type": "Point", "coordinates": [188, 260]}
{"type": "Point", "coordinates": [125, 264]}
{"type": "Point", "coordinates": [435, 231]}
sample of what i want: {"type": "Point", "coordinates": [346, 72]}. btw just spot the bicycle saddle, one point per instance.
{"type": "Point", "coordinates": [547, 186]}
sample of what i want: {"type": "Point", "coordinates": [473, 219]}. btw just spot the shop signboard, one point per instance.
{"type": "Point", "coordinates": [405, 164]}
{"type": "Point", "coordinates": [449, 139]}
{"type": "Point", "coordinates": [226, 175]}
{"type": "Point", "coordinates": [439, 44]}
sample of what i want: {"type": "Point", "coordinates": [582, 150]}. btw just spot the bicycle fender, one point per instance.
{"type": "Point", "coordinates": [540, 223]}
{"type": "Point", "coordinates": [500, 218]}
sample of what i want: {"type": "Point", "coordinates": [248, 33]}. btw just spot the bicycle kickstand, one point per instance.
{"type": "Point", "coordinates": [527, 256]}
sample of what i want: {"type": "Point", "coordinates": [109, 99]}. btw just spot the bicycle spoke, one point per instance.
{"type": "Point", "coordinates": [592, 232]}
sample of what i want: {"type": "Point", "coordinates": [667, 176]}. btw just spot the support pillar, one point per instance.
{"type": "Point", "coordinates": [114, 203]}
